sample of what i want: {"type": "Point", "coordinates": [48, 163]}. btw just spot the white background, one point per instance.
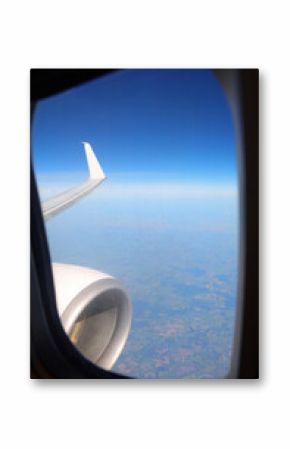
{"type": "Point", "coordinates": [202, 414]}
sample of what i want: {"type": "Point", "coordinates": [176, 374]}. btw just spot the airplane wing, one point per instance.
{"type": "Point", "coordinates": [96, 175]}
{"type": "Point", "coordinates": [94, 308]}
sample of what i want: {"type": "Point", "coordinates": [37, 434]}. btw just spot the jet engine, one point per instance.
{"type": "Point", "coordinates": [95, 312]}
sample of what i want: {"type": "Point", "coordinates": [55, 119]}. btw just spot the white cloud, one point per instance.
{"type": "Point", "coordinates": [152, 190]}
{"type": "Point", "coordinates": [166, 190]}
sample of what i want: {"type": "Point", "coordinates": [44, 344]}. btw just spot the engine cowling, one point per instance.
{"type": "Point", "coordinates": [95, 312]}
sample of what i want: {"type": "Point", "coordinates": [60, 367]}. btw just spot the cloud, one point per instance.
{"type": "Point", "coordinates": [166, 190]}
{"type": "Point", "coordinates": [148, 190]}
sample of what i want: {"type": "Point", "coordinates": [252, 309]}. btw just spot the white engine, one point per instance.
{"type": "Point", "coordinates": [95, 312]}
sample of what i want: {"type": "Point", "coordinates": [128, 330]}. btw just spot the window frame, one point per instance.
{"type": "Point", "coordinates": [52, 353]}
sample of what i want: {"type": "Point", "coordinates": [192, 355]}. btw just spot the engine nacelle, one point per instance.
{"type": "Point", "coordinates": [95, 312]}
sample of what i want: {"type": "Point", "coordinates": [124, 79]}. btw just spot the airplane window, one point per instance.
{"type": "Point", "coordinates": [146, 264]}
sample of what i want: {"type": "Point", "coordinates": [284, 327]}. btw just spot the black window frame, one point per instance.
{"type": "Point", "coordinates": [52, 353]}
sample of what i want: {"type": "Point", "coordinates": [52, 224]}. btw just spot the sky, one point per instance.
{"type": "Point", "coordinates": [147, 128]}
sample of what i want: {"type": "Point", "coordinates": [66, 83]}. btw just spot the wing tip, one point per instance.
{"type": "Point", "coordinates": [95, 169]}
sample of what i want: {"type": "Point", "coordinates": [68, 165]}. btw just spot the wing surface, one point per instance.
{"type": "Point", "coordinates": [96, 175]}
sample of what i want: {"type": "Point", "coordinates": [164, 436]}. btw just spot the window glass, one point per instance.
{"type": "Point", "coordinates": [164, 222]}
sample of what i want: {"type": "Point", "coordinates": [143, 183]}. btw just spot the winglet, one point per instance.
{"type": "Point", "coordinates": [94, 167]}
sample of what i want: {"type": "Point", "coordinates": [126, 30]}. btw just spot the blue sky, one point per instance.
{"type": "Point", "coordinates": [169, 127]}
